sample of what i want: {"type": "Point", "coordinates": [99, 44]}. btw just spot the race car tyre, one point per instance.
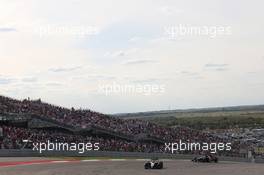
{"type": "Point", "coordinates": [147, 166]}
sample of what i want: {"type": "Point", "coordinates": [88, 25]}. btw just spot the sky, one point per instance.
{"type": "Point", "coordinates": [173, 54]}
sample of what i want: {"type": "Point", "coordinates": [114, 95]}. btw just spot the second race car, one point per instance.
{"type": "Point", "coordinates": [206, 158]}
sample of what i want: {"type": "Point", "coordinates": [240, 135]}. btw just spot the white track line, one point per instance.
{"type": "Point", "coordinates": [117, 160]}
{"type": "Point", "coordinates": [92, 160]}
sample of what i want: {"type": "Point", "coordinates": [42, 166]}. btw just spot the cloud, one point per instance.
{"type": "Point", "coordinates": [252, 72]}
{"type": "Point", "coordinates": [29, 79]}
{"type": "Point", "coordinates": [136, 62]}
{"type": "Point", "coordinates": [7, 29]}
{"type": "Point", "coordinates": [191, 75]}
{"type": "Point", "coordinates": [93, 77]}
{"type": "Point", "coordinates": [187, 73]}
{"type": "Point", "coordinates": [134, 39]}
{"type": "Point", "coordinates": [54, 84]}
{"type": "Point", "coordinates": [149, 80]}
{"type": "Point", "coordinates": [168, 10]}
{"type": "Point", "coordinates": [65, 69]}
{"type": "Point", "coordinates": [221, 69]}
{"type": "Point", "coordinates": [216, 67]}
{"type": "Point", "coordinates": [119, 53]}
{"type": "Point", "coordinates": [6, 80]}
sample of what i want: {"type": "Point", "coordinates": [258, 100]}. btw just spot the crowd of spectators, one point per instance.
{"type": "Point", "coordinates": [13, 139]}
{"type": "Point", "coordinates": [85, 118]}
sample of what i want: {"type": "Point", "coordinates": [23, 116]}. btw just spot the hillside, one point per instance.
{"type": "Point", "coordinates": [213, 118]}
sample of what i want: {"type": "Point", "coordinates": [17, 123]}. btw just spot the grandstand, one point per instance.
{"type": "Point", "coordinates": [39, 121]}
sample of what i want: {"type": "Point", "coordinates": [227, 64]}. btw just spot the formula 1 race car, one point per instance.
{"type": "Point", "coordinates": [154, 164]}
{"type": "Point", "coordinates": [206, 159]}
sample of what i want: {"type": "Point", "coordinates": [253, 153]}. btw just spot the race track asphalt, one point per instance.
{"type": "Point", "coordinates": [134, 167]}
